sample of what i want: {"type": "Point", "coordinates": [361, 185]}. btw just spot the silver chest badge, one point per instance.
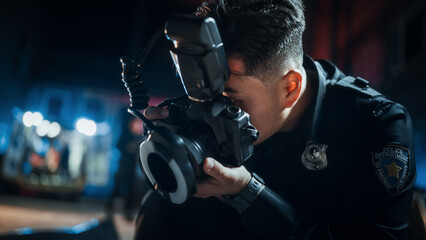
{"type": "Point", "coordinates": [314, 157]}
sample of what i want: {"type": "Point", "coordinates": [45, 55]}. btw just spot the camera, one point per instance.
{"type": "Point", "coordinates": [201, 124]}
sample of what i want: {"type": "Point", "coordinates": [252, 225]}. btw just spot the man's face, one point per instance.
{"type": "Point", "coordinates": [260, 100]}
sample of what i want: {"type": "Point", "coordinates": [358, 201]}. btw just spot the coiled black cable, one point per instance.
{"type": "Point", "coordinates": [134, 83]}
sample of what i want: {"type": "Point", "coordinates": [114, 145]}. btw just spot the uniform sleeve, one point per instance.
{"type": "Point", "coordinates": [375, 203]}
{"type": "Point", "coordinates": [378, 202]}
{"type": "Point", "coordinates": [270, 216]}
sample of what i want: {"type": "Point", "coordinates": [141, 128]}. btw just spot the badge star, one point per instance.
{"type": "Point", "coordinates": [393, 170]}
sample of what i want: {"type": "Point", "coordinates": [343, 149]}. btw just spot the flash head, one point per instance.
{"type": "Point", "coordinates": [197, 45]}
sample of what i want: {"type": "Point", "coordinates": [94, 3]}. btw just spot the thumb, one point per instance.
{"type": "Point", "coordinates": [214, 168]}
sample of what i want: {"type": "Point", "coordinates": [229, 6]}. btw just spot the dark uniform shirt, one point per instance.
{"type": "Point", "coordinates": [347, 171]}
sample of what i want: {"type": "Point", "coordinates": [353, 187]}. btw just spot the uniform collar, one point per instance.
{"type": "Point", "coordinates": [316, 76]}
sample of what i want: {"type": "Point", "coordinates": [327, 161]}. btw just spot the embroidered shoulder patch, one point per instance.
{"type": "Point", "coordinates": [391, 166]}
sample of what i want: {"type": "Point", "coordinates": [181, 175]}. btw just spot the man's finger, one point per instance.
{"type": "Point", "coordinates": [153, 113]}
{"type": "Point", "coordinates": [214, 168]}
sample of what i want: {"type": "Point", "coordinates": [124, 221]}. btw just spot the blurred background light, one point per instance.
{"type": "Point", "coordinates": [53, 130]}
{"type": "Point", "coordinates": [86, 126]}
{"type": "Point", "coordinates": [27, 119]}
{"type": "Point", "coordinates": [37, 118]}
{"type": "Point", "coordinates": [32, 119]}
{"type": "Point", "coordinates": [91, 128]}
{"type": "Point", "coordinates": [43, 128]}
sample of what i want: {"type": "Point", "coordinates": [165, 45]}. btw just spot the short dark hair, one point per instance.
{"type": "Point", "coordinates": [265, 34]}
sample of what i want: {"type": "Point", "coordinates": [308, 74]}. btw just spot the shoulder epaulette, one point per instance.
{"type": "Point", "coordinates": [359, 85]}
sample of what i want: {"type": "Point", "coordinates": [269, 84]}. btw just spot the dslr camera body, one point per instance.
{"type": "Point", "coordinates": [201, 124]}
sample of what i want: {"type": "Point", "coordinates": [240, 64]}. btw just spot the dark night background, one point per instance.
{"type": "Point", "coordinates": [75, 46]}
{"type": "Point", "coordinates": [79, 43]}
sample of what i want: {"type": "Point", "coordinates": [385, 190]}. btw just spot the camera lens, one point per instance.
{"type": "Point", "coordinates": [162, 172]}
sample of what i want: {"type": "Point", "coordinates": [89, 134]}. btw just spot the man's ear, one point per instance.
{"type": "Point", "coordinates": [290, 88]}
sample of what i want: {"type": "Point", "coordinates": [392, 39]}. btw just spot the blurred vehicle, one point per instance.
{"type": "Point", "coordinates": [63, 143]}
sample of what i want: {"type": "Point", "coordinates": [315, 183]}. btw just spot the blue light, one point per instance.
{"type": "Point", "coordinates": [25, 231]}
{"type": "Point", "coordinates": [4, 137]}
{"type": "Point", "coordinates": [26, 168]}
{"type": "Point", "coordinates": [420, 155]}
{"type": "Point", "coordinates": [83, 227]}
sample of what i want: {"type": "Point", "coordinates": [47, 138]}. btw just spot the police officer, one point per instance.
{"type": "Point", "coordinates": [334, 159]}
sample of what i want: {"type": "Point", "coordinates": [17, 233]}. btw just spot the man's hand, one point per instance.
{"type": "Point", "coordinates": [153, 113]}
{"type": "Point", "coordinates": [222, 180]}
